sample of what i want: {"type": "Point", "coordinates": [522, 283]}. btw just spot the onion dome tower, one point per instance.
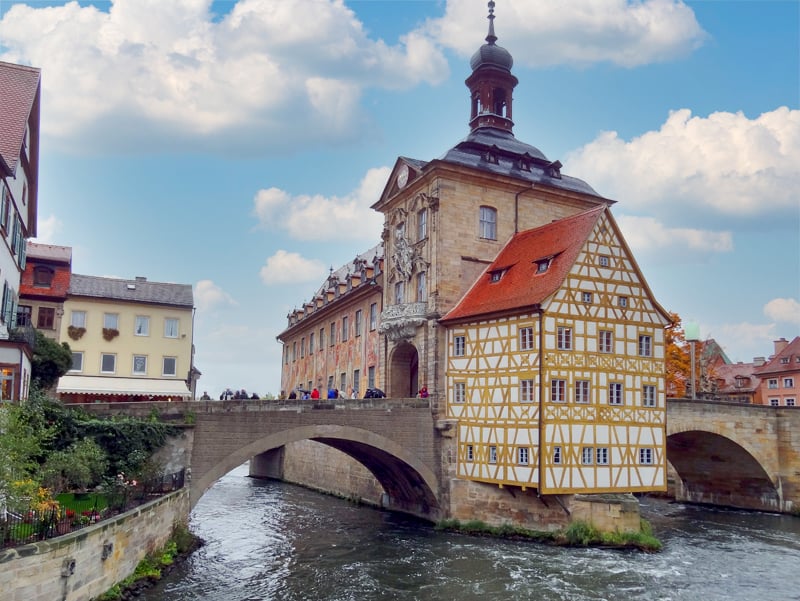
{"type": "Point", "coordinates": [491, 84]}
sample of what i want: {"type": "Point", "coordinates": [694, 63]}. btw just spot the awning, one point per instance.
{"type": "Point", "coordinates": [132, 386]}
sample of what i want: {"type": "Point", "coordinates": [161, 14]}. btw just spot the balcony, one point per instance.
{"type": "Point", "coordinates": [400, 322]}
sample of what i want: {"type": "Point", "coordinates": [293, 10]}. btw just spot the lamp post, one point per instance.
{"type": "Point", "coordinates": [692, 335]}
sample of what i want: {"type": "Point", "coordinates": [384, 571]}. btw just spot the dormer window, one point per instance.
{"type": "Point", "coordinates": [496, 275]}
{"type": "Point", "coordinates": [543, 265]}
{"type": "Point", "coordinates": [490, 157]}
{"type": "Point", "coordinates": [554, 169]}
{"type": "Point", "coordinates": [42, 276]}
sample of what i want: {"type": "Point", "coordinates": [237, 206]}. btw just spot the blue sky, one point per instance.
{"type": "Point", "coordinates": [237, 146]}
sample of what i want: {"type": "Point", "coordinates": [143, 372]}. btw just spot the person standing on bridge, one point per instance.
{"type": "Point", "coordinates": [315, 393]}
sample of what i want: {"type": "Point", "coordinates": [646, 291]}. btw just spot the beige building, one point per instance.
{"type": "Point", "coordinates": [131, 340]}
{"type": "Point", "coordinates": [509, 293]}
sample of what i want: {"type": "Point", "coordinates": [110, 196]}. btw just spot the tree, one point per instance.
{"type": "Point", "coordinates": [79, 467]}
{"type": "Point", "coordinates": [678, 360]}
{"type": "Point", "coordinates": [51, 360]}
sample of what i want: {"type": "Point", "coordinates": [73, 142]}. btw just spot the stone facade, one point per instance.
{"type": "Point", "coordinates": [86, 563]}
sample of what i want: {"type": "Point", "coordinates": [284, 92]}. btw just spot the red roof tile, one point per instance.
{"type": "Point", "coordinates": [788, 360]}
{"type": "Point", "coordinates": [520, 285]}
{"type": "Point", "coordinates": [19, 87]}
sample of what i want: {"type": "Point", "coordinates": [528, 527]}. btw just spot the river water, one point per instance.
{"type": "Point", "coordinates": [269, 540]}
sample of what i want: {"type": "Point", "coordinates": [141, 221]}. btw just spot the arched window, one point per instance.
{"type": "Point", "coordinates": [488, 223]}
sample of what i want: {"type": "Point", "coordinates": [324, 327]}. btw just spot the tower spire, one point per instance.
{"type": "Point", "coordinates": [491, 38]}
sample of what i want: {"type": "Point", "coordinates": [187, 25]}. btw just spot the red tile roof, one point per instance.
{"type": "Point", "coordinates": [788, 360]}
{"type": "Point", "coordinates": [520, 286]}
{"type": "Point", "coordinates": [19, 88]}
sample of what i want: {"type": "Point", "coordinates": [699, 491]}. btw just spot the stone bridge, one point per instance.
{"type": "Point", "coordinates": [723, 454]}
{"type": "Point", "coordinates": [745, 456]}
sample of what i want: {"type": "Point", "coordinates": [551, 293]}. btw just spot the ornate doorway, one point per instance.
{"type": "Point", "coordinates": [404, 370]}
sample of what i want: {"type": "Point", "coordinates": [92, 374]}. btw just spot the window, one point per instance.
{"type": "Point", "coordinates": [311, 346]}
{"type": "Point", "coordinates": [558, 391]}
{"type": "Point", "coordinates": [774, 402]}
{"type": "Point", "coordinates": [790, 402]}
{"type": "Point", "coordinates": [784, 360]}
{"type": "Point", "coordinates": [170, 327]}
{"type": "Point", "coordinates": [142, 325]}
{"type": "Point", "coordinates": [321, 338]}
{"type": "Point", "coordinates": [622, 301]}
{"type": "Point", "coordinates": [111, 321]}
{"type": "Point", "coordinates": [526, 339]}
{"type": "Point", "coordinates": [422, 224]}
{"type": "Point", "coordinates": [602, 455]}
{"type": "Point", "coordinates": [788, 382]}
{"type": "Point", "coordinates": [488, 223]}
{"type": "Point", "coordinates": [587, 455]}
{"type": "Point", "coordinates": [542, 265]}
{"type": "Point", "coordinates": [24, 315]}
{"type": "Point", "coordinates": [564, 338]}
{"type": "Point", "coordinates": [330, 382]}
{"type": "Point", "coordinates": [645, 346]}
{"type": "Point", "coordinates": [46, 318]}
{"type": "Point", "coordinates": [332, 336]}
{"type": "Point", "coordinates": [470, 453]}
{"type": "Point", "coordinates": [356, 379]}
{"type": "Point", "coordinates": [649, 396]}
{"type": "Point", "coordinates": [587, 297]}
{"type": "Point", "coordinates": [615, 393]}
{"type": "Point", "coordinates": [556, 455]}
{"type": "Point", "coordinates": [604, 262]}
{"type": "Point", "coordinates": [139, 365]}
{"type": "Point", "coordinates": [459, 392]}
{"type": "Point", "coordinates": [459, 346]}
{"type": "Point", "coordinates": [170, 366]}
{"type": "Point", "coordinates": [371, 376]}
{"type": "Point", "coordinates": [422, 293]}
{"type": "Point", "coordinates": [522, 455]}
{"type": "Point", "coordinates": [605, 341]}
{"type": "Point", "coordinates": [772, 383]}
{"type": "Point", "coordinates": [294, 350]}
{"type": "Point", "coordinates": [302, 347]}
{"type": "Point", "coordinates": [77, 361]}
{"type": "Point", "coordinates": [646, 456]}
{"type": "Point", "coordinates": [581, 391]}
{"type": "Point", "coordinates": [373, 316]}
{"type": "Point", "coordinates": [342, 381]}
{"type": "Point", "coordinates": [492, 454]}
{"type": "Point", "coordinates": [526, 391]}
{"type": "Point", "coordinates": [108, 363]}
{"type": "Point", "coordinates": [358, 322]}
{"type": "Point", "coordinates": [496, 276]}
{"type": "Point", "coordinates": [345, 328]}
{"type": "Point", "coordinates": [399, 293]}
{"type": "Point", "coordinates": [78, 319]}
{"type": "Point", "coordinates": [42, 276]}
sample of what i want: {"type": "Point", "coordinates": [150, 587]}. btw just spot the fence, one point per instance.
{"type": "Point", "coordinates": [115, 498]}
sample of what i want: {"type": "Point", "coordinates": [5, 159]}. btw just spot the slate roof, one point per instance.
{"type": "Point", "coordinates": [511, 154]}
{"type": "Point", "coordinates": [19, 87]}
{"type": "Point", "coordinates": [138, 290]}
{"type": "Point", "coordinates": [521, 286]}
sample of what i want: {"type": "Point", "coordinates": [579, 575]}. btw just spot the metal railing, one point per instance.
{"type": "Point", "coordinates": [20, 529]}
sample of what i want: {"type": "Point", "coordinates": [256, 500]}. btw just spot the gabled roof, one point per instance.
{"type": "Point", "coordinates": [788, 360]}
{"type": "Point", "coordinates": [19, 88]}
{"type": "Point", "coordinates": [138, 290]}
{"type": "Point", "coordinates": [519, 285]}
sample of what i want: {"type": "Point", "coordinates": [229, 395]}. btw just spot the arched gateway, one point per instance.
{"type": "Point", "coordinates": [404, 371]}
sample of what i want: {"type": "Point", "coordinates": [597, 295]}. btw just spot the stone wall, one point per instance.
{"type": "Point", "coordinates": [86, 563]}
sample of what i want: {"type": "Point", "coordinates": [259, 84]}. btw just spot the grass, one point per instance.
{"type": "Point", "coordinates": [577, 534]}
{"type": "Point", "coordinates": [82, 502]}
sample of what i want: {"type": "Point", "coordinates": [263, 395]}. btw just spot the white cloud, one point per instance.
{"type": "Point", "coordinates": [46, 229]}
{"type": "Point", "coordinates": [208, 296]}
{"type": "Point", "coordinates": [725, 164]}
{"type": "Point", "coordinates": [290, 268]}
{"type": "Point", "coordinates": [744, 341]}
{"type": "Point", "coordinates": [647, 234]}
{"type": "Point", "coordinates": [317, 217]}
{"type": "Point", "coordinates": [175, 74]}
{"type": "Point", "coordinates": [580, 32]}
{"type": "Point", "coordinates": [783, 309]}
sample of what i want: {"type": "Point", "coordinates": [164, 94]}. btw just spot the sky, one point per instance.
{"type": "Point", "coordinates": [237, 146]}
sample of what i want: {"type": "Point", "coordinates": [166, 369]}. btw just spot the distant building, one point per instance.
{"type": "Point", "coordinates": [780, 376]}
{"type": "Point", "coordinates": [131, 340]}
{"type": "Point", "coordinates": [504, 287]}
{"type": "Point", "coordinates": [44, 288]}
{"type": "Point", "coordinates": [20, 101]}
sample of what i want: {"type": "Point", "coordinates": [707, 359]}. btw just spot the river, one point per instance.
{"type": "Point", "coordinates": [269, 540]}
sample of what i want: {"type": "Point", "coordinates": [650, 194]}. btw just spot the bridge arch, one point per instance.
{"type": "Point", "coordinates": [411, 486]}
{"type": "Point", "coordinates": [716, 468]}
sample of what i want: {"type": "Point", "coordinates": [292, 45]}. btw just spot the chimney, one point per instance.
{"type": "Point", "coordinates": [780, 345]}
{"type": "Point", "coordinates": [759, 361]}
